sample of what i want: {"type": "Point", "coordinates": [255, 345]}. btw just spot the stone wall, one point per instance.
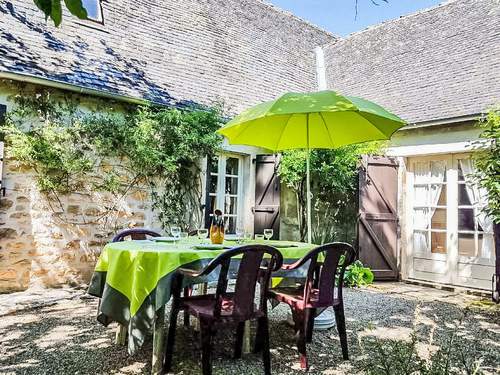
{"type": "Point", "coordinates": [50, 241]}
{"type": "Point", "coordinates": [53, 240]}
{"type": "Point", "coordinates": [344, 231]}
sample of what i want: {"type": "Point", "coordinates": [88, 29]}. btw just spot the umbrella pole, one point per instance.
{"type": "Point", "coordinates": [308, 182]}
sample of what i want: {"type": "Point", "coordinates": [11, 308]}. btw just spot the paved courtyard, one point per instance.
{"type": "Point", "coordinates": [57, 334]}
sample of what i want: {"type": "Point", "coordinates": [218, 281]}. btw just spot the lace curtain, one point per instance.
{"type": "Point", "coordinates": [478, 198]}
{"type": "Point", "coordinates": [428, 197]}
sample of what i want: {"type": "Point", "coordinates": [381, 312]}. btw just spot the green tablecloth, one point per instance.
{"type": "Point", "coordinates": [133, 279]}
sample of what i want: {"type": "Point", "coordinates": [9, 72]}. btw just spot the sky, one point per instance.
{"type": "Point", "coordinates": [339, 16]}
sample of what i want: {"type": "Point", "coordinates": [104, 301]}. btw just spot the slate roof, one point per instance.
{"type": "Point", "coordinates": [171, 52]}
{"type": "Point", "coordinates": [439, 63]}
{"type": "Point", "coordinates": [436, 64]}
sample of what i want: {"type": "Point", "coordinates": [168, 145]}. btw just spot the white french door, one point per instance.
{"type": "Point", "coordinates": [225, 189]}
{"type": "Point", "coordinates": [450, 239]}
{"type": "Point", "coordinates": [430, 218]}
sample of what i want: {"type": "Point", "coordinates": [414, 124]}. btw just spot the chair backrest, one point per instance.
{"type": "Point", "coordinates": [135, 234]}
{"type": "Point", "coordinates": [254, 266]}
{"type": "Point", "coordinates": [326, 276]}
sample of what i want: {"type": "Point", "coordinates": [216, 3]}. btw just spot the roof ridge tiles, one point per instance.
{"type": "Point", "coordinates": [406, 16]}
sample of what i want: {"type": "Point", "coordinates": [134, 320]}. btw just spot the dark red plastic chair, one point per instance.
{"type": "Point", "coordinates": [322, 289]}
{"type": "Point", "coordinates": [223, 307]}
{"type": "Point", "coordinates": [135, 234]}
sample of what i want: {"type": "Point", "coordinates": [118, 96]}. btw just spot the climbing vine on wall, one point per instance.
{"type": "Point", "coordinates": [334, 183]}
{"type": "Point", "coordinates": [487, 161]}
{"type": "Point", "coordinates": [114, 150]}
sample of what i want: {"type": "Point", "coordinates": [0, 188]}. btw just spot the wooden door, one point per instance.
{"type": "Point", "coordinates": [378, 219]}
{"type": "Point", "coordinates": [267, 195]}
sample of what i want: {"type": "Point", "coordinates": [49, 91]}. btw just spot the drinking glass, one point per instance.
{"type": "Point", "coordinates": [259, 237]}
{"type": "Point", "coordinates": [248, 236]}
{"type": "Point", "coordinates": [176, 232]}
{"type": "Point", "coordinates": [239, 234]}
{"type": "Point", "coordinates": [184, 235]}
{"type": "Point", "coordinates": [268, 233]}
{"type": "Point", "coordinates": [202, 233]}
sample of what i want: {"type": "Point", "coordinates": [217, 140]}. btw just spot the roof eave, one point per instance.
{"type": "Point", "coordinates": [443, 121]}
{"type": "Point", "coordinates": [28, 78]}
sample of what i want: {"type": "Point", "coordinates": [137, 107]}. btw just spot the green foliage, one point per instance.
{"type": "Point", "coordinates": [393, 357]}
{"type": "Point", "coordinates": [53, 9]}
{"type": "Point", "coordinates": [357, 275]}
{"type": "Point", "coordinates": [333, 183]}
{"type": "Point", "coordinates": [487, 162]}
{"type": "Point", "coordinates": [157, 148]}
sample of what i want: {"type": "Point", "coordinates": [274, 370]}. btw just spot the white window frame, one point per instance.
{"type": "Point", "coordinates": [410, 204]}
{"type": "Point", "coordinates": [478, 259]}
{"type": "Point", "coordinates": [451, 257]}
{"type": "Point", "coordinates": [221, 195]}
{"type": "Point", "coordinates": [100, 19]}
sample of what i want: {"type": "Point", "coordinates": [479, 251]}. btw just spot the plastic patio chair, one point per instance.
{"type": "Point", "coordinates": [321, 289]}
{"type": "Point", "coordinates": [224, 307]}
{"type": "Point", "coordinates": [135, 234]}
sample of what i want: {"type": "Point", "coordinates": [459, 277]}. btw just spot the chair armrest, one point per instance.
{"type": "Point", "coordinates": [297, 264]}
{"type": "Point", "coordinates": [203, 272]}
{"type": "Point", "coordinates": [189, 272]}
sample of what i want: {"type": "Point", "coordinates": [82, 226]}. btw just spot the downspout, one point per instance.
{"type": "Point", "coordinates": [327, 318]}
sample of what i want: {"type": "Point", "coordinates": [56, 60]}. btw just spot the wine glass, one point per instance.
{"type": "Point", "coordinates": [239, 234]}
{"type": "Point", "coordinates": [202, 234]}
{"type": "Point", "coordinates": [268, 233]}
{"type": "Point", "coordinates": [248, 236]}
{"type": "Point", "coordinates": [176, 232]}
{"type": "Point", "coordinates": [184, 236]}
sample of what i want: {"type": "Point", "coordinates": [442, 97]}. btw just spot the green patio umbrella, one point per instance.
{"type": "Point", "coordinates": [323, 119]}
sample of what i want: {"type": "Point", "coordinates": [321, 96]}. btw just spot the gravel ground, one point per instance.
{"type": "Point", "coordinates": [64, 338]}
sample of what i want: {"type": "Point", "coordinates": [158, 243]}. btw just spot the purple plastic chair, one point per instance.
{"type": "Point", "coordinates": [225, 308]}
{"type": "Point", "coordinates": [322, 288]}
{"type": "Point", "coordinates": [135, 234]}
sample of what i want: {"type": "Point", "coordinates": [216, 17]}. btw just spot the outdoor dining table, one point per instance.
{"type": "Point", "coordinates": [133, 280]}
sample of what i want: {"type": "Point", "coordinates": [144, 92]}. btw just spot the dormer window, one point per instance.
{"type": "Point", "coordinates": [94, 10]}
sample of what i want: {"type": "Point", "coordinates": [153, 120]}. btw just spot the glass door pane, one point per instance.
{"type": "Point", "coordinates": [475, 237]}
{"type": "Point", "coordinates": [430, 207]}
{"type": "Point", "coordinates": [231, 193]}
{"type": "Point", "coordinates": [213, 184]}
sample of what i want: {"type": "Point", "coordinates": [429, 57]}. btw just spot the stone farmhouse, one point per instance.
{"type": "Point", "coordinates": [438, 69]}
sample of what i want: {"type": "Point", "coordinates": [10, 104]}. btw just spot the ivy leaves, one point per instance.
{"type": "Point", "coordinates": [487, 162]}
{"type": "Point", "coordinates": [143, 147]}
{"type": "Point", "coordinates": [53, 9]}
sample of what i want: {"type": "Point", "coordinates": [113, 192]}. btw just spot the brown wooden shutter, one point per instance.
{"type": "Point", "coordinates": [267, 195]}
{"type": "Point", "coordinates": [378, 217]}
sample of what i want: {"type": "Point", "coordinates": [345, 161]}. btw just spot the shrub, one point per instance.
{"type": "Point", "coordinates": [487, 162]}
{"type": "Point", "coordinates": [357, 275]}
